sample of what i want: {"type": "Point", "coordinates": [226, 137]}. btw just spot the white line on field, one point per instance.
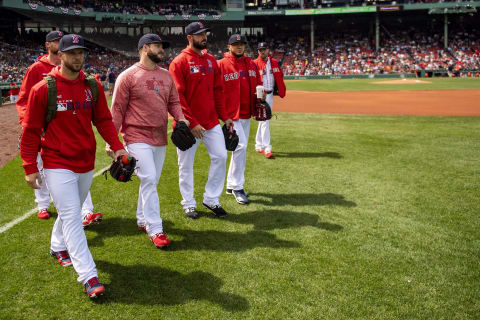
{"type": "Point", "coordinates": [31, 212]}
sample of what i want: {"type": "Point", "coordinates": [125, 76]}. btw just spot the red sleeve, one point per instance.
{"type": "Point", "coordinates": [32, 128]}
{"type": "Point", "coordinates": [121, 96]}
{"type": "Point", "coordinates": [29, 80]}
{"type": "Point", "coordinates": [177, 75]}
{"type": "Point", "coordinates": [218, 93]}
{"type": "Point", "coordinates": [220, 65]}
{"type": "Point", "coordinates": [103, 121]}
{"type": "Point", "coordinates": [174, 107]}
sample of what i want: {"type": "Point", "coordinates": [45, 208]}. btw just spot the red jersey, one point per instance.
{"type": "Point", "coordinates": [69, 141]}
{"type": "Point", "coordinates": [240, 79]}
{"type": "Point", "coordinates": [200, 88]}
{"type": "Point", "coordinates": [13, 90]}
{"type": "Point", "coordinates": [277, 73]}
{"type": "Point", "coordinates": [35, 73]}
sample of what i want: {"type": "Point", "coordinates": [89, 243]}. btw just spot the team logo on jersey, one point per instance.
{"type": "Point", "coordinates": [61, 107]}
{"type": "Point", "coordinates": [252, 73]}
{"type": "Point", "coordinates": [194, 69]}
{"type": "Point", "coordinates": [210, 66]}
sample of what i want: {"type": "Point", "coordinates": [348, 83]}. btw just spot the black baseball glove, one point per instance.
{"type": "Point", "coordinates": [262, 111]}
{"type": "Point", "coordinates": [182, 137]}
{"type": "Point", "coordinates": [231, 138]}
{"type": "Point", "coordinates": [122, 169]}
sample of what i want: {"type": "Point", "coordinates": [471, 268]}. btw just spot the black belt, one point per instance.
{"type": "Point", "coordinates": [268, 92]}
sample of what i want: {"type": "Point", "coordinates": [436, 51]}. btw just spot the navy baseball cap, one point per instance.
{"type": "Point", "coordinates": [70, 42]}
{"type": "Point", "coordinates": [53, 35]}
{"type": "Point", "coordinates": [262, 45]}
{"type": "Point", "coordinates": [152, 38]}
{"type": "Point", "coordinates": [234, 38]}
{"type": "Point", "coordinates": [196, 28]}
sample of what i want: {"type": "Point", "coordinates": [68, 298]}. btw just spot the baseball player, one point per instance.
{"type": "Point", "coordinates": [35, 73]}
{"type": "Point", "coordinates": [68, 149]}
{"type": "Point", "coordinates": [144, 94]}
{"type": "Point", "coordinates": [240, 78]}
{"type": "Point", "coordinates": [199, 84]}
{"type": "Point", "coordinates": [272, 78]}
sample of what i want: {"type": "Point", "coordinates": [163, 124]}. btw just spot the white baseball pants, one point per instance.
{"type": "Point", "coordinates": [69, 190]}
{"type": "Point", "coordinates": [262, 140]}
{"type": "Point", "coordinates": [42, 195]}
{"type": "Point", "coordinates": [215, 143]}
{"type": "Point", "coordinates": [149, 169]}
{"type": "Point", "coordinates": [238, 162]}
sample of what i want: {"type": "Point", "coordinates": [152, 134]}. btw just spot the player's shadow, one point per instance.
{"type": "Point", "coordinates": [199, 240]}
{"type": "Point", "coordinates": [152, 285]}
{"type": "Point", "coordinates": [112, 227]}
{"type": "Point", "coordinates": [212, 240]}
{"type": "Point", "coordinates": [300, 199]}
{"type": "Point", "coordinates": [277, 219]}
{"type": "Point", "coordinates": [333, 155]}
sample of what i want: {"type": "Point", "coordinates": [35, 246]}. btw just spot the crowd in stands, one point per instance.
{"type": "Point", "coordinates": [309, 4]}
{"type": "Point", "coordinates": [407, 51]}
{"type": "Point", "coordinates": [133, 7]}
{"type": "Point", "coordinates": [402, 52]}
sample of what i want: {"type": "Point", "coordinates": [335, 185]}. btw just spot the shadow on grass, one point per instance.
{"type": "Point", "coordinates": [112, 227]}
{"type": "Point", "coordinates": [150, 285]}
{"type": "Point", "coordinates": [277, 219]}
{"type": "Point", "coordinates": [300, 199]}
{"type": "Point", "coordinates": [333, 155]}
{"type": "Point", "coordinates": [212, 240]}
{"type": "Point", "coordinates": [208, 240]}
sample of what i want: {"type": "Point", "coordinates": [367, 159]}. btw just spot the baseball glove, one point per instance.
{"type": "Point", "coordinates": [122, 169]}
{"type": "Point", "coordinates": [231, 138]}
{"type": "Point", "coordinates": [182, 137]}
{"type": "Point", "coordinates": [263, 111]}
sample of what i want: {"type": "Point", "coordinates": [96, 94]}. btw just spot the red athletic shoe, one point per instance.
{"type": "Point", "coordinates": [142, 228]}
{"type": "Point", "coordinates": [260, 151]}
{"type": "Point", "coordinates": [90, 218]}
{"type": "Point", "coordinates": [269, 155]}
{"type": "Point", "coordinates": [94, 288]}
{"type": "Point", "coordinates": [63, 258]}
{"type": "Point", "coordinates": [43, 214]}
{"type": "Point", "coordinates": [160, 240]}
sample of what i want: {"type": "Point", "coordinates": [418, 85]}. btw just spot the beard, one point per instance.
{"type": "Point", "coordinates": [72, 68]}
{"type": "Point", "coordinates": [54, 52]}
{"type": "Point", "coordinates": [199, 45]}
{"type": "Point", "coordinates": [154, 57]}
{"type": "Point", "coordinates": [237, 55]}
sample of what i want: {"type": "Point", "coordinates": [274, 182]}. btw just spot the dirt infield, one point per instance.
{"type": "Point", "coordinates": [424, 103]}
{"type": "Point", "coordinates": [418, 103]}
{"type": "Point", "coordinates": [10, 131]}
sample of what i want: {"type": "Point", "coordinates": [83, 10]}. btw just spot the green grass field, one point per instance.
{"type": "Point", "coordinates": [369, 84]}
{"type": "Point", "coordinates": [358, 217]}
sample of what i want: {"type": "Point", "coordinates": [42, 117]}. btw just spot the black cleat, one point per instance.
{"type": "Point", "coordinates": [191, 213]}
{"type": "Point", "coordinates": [240, 196]}
{"type": "Point", "coordinates": [217, 210]}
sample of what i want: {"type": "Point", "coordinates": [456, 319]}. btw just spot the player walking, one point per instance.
{"type": "Point", "coordinates": [144, 94]}
{"type": "Point", "coordinates": [272, 78]}
{"type": "Point", "coordinates": [199, 84]}
{"type": "Point", "coordinates": [35, 73]}
{"type": "Point", "coordinates": [68, 149]}
{"type": "Point", "coordinates": [240, 78]}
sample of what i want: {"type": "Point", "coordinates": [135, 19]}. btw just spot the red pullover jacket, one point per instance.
{"type": "Point", "coordinates": [69, 141]}
{"type": "Point", "coordinates": [240, 79]}
{"type": "Point", "coordinates": [200, 88]}
{"type": "Point", "coordinates": [35, 73]}
{"type": "Point", "coordinates": [277, 73]}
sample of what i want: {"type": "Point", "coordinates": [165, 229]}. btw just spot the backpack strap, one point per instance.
{"type": "Point", "coordinates": [92, 83]}
{"type": "Point", "coordinates": [51, 100]}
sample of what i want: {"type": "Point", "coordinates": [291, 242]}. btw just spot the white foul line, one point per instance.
{"type": "Point", "coordinates": [33, 211]}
